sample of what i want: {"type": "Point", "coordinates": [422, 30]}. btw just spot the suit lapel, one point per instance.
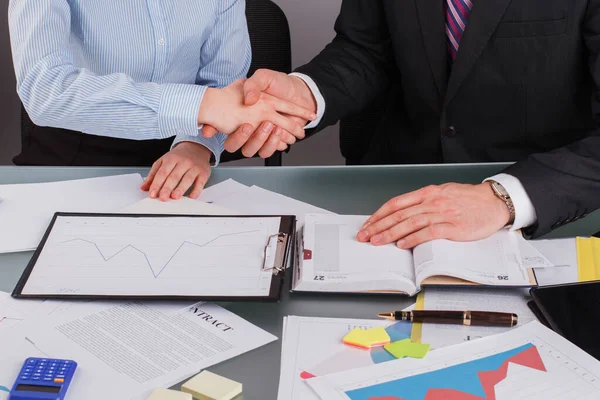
{"type": "Point", "coordinates": [432, 21]}
{"type": "Point", "coordinates": [484, 20]}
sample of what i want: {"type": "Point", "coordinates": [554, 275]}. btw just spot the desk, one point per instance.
{"type": "Point", "coordinates": [345, 190]}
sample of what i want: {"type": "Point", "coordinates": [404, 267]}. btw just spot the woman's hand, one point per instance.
{"type": "Point", "coordinates": [186, 165]}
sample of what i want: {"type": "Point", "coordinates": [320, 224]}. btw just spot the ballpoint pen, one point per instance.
{"type": "Point", "coordinates": [479, 318]}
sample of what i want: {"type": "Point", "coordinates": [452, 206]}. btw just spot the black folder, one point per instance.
{"type": "Point", "coordinates": [278, 246]}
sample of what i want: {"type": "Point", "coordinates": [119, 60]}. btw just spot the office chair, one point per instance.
{"type": "Point", "coordinates": [271, 48]}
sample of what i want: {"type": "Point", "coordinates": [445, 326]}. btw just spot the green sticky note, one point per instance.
{"type": "Point", "coordinates": [406, 348]}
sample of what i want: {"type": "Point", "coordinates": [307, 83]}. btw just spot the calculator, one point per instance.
{"type": "Point", "coordinates": [43, 379]}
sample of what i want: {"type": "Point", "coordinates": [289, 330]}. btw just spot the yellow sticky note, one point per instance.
{"type": "Point", "coordinates": [406, 348]}
{"type": "Point", "coordinates": [209, 386]}
{"type": "Point", "coordinates": [367, 338]}
{"type": "Point", "coordinates": [588, 259]}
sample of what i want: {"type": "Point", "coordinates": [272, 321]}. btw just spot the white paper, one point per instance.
{"type": "Point", "coordinates": [472, 299]}
{"type": "Point", "coordinates": [27, 209]}
{"type": "Point", "coordinates": [561, 252]}
{"type": "Point", "coordinates": [13, 312]}
{"type": "Point", "coordinates": [340, 263]}
{"type": "Point", "coordinates": [183, 206]}
{"type": "Point", "coordinates": [531, 257]}
{"type": "Point", "coordinates": [258, 201]}
{"type": "Point", "coordinates": [176, 256]}
{"type": "Point", "coordinates": [313, 347]}
{"type": "Point", "coordinates": [135, 347]}
{"type": "Point", "coordinates": [533, 363]}
{"type": "Point", "coordinates": [218, 191]}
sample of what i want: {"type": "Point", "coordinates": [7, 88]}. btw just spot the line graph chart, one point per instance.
{"type": "Point", "coordinates": [155, 256]}
{"type": "Point", "coordinates": [129, 246]}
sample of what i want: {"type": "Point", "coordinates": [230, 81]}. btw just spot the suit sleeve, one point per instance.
{"type": "Point", "coordinates": [564, 184]}
{"type": "Point", "coordinates": [355, 67]}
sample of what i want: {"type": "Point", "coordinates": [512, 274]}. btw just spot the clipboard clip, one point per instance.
{"type": "Point", "coordinates": [275, 252]}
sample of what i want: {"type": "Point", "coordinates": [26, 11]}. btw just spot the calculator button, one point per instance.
{"type": "Point", "coordinates": [59, 380]}
{"type": "Point", "coordinates": [37, 374]}
{"type": "Point", "coordinates": [31, 361]}
{"type": "Point", "coordinates": [60, 376]}
{"type": "Point", "coordinates": [36, 378]}
{"type": "Point", "coordinates": [25, 377]}
{"type": "Point", "coordinates": [48, 379]}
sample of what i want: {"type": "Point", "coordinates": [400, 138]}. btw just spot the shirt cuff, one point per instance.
{"type": "Point", "coordinates": [178, 110]}
{"type": "Point", "coordinates": [318, 97]}
{"type": "Point", "coordinates": [525, 215]}
{"type": "Point", "coordinates": [215, 144]}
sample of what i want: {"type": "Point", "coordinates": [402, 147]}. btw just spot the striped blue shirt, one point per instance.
{"type": "Point", "coordinates": [132, 69]}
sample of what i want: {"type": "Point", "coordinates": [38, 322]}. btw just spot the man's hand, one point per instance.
{"type": "Point", "coordinates": [224, 109]}
{"type": "Point", "coordinates": [187, 165]}
{"type": "Point", "coordinates": [451, 211]}
{"type": "Point", "coordinates": [281, 86]}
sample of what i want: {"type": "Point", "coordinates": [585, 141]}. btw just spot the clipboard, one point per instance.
{"type": "Point", "coordinates": [276, 253]}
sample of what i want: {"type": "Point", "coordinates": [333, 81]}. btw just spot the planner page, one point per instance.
{"type": "Point", "coordinates": [333, 260]}
{"type": "Point", "coordinates": [494, 261]}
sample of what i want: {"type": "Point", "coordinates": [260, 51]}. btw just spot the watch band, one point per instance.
{"type": "Point", "coordinates": [503, 195]}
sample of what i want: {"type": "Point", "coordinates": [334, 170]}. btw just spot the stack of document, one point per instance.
{"type": "Point", "coordinates": [135, 346]}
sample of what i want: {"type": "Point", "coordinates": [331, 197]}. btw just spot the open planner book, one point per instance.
{"type": "Point", "coordinates": [332, 260]}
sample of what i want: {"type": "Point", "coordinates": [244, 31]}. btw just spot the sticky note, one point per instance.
{"type": "Point", "coordinates": [367, 338]}
{"type": "Point", "coordinates": [588, 259]}
{"type": "Point", "coordinates": [166, 394]}
{"type": "Point", "coordinates": [209, 386]}
{"type": "Point", "coordinates": [406, 348]}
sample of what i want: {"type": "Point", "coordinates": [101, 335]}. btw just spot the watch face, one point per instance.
{"type": "Point", "coordinates": [500, 189]}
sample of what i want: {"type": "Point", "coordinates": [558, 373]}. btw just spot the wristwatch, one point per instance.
{"type": "Point", "coordinates": [503, 195]}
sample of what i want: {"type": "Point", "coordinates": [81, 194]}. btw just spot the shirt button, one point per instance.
{"type": "Point", "coordinates": [161, 42]}
{"type": "Point", "coordinates": [450, 132]}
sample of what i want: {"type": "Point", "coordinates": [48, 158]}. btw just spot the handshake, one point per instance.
{"type": "Point", "coordinates": [263, 114]}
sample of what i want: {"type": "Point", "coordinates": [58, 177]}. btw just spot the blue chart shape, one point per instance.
{"type": "Point", "coordinates": [156, 275]}
{"type": "Point", "coordinates": [399, 331]}
{"type": "Point", "coordinates": [379, 355]}
{"type": "Point", "coordinates": [4, 389]}
{"type": "Point", "coordinates": [463, 378]}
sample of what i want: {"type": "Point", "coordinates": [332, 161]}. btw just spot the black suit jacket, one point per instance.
{"type": "Point", "coordinates": [525, 87]}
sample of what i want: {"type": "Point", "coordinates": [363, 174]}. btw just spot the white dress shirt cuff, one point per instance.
{"type": "Point", "coordinates": [525, 215]}
{"type": "Point", "coordinates": [318, 97]}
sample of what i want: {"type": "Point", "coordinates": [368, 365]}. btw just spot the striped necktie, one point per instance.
{"type": "Point", "coordinates": [457, 15]}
